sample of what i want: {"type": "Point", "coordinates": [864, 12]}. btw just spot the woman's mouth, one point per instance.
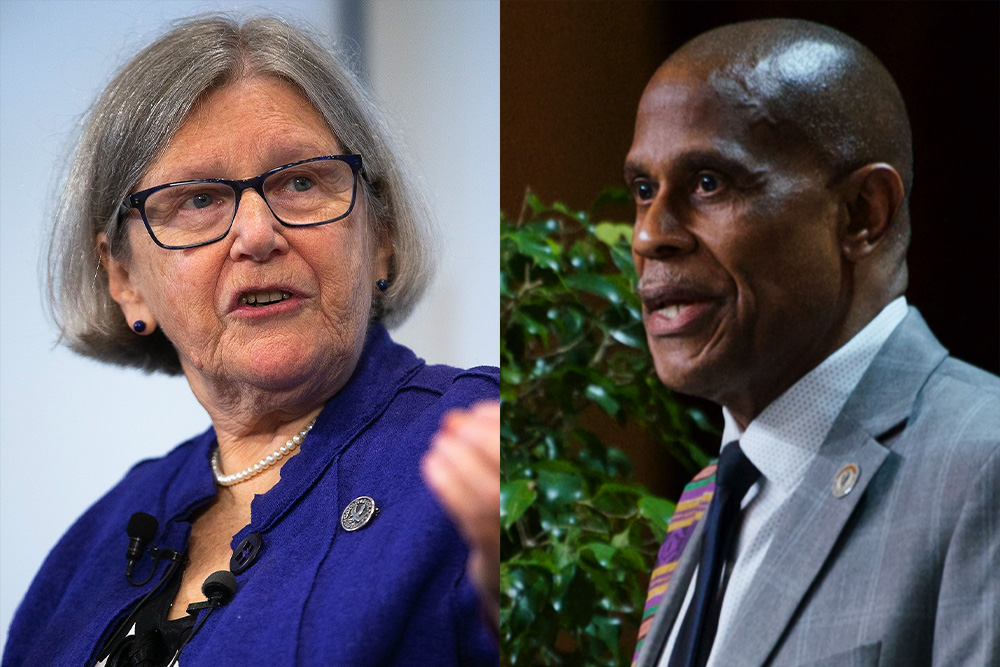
{"type": "Point", "coordinates": [264, 298]}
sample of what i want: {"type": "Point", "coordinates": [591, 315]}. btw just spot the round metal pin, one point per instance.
{"type": "Point", "coordinates": [845, 479]}
{"type": "Point", "coordinates": [358, 513]}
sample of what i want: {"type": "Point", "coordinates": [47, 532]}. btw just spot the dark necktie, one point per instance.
{"type": "Point", "coordinates": [734, 477]}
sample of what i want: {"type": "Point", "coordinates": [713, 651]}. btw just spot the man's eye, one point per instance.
{"type": "Point", "coordinates": [643, 191]}
{"type": "Point", "coordinates": [706, 183]}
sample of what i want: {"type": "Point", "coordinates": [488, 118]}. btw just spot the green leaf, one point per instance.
{"type": "Point", "coordinates": [515, 498]}
{"type": "Point", "coordinates": [594, 284]}
{"type": "Point", "coordinates": [616, 498]}
{"type": "Point", "coordinates": [622, 258]}
{"type": "Point", "coordinates": [599, 395]}
{"type": "Point", "coordinates": [629, 560]}
{"type": "Point", "coordinates": [542, 253]}
{"type": "Point", "coordinates": [613, 196]}
{"type": "Point", "coordinates": [657, 510]}
{"type": "Point", "coordinates": [566, 210]}
{"type": "Point", "coordinates": [702, 421]}
{"type": "Point", "coordinates": [511, 376]}
{"type": "Point", "coordinates": [573, 361]}
{"type": "Point", "coordinates": [533, 202]}
{"type": "Point", "coordinates": [559, 482]}
{"type": "Point", "coordinates": [627, 337]}
{"type": "Point", "coordinates": [603, 553]}
{"type": "Point", "coordinates": [610, 233]}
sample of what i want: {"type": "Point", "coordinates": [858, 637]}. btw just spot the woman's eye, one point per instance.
{"type": "Point", "coordinates": [301, 183]}
{"type": "Point", "coordinates": [707, 183]}
{"type": "Point", "coordinates": [202, 200]}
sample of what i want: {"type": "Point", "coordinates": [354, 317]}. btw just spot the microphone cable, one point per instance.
{"type": "Point", "coordinates": [218, 588]}
{"type": "Point", "coordinates": [141, 529]}
{"type": "Point", "coordinates": [111, 646]}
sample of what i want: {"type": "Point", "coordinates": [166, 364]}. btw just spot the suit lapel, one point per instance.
{"type": "Point", "coordinates": [802, 542]}
{"type": "Point", "coordinates": [816, 516]}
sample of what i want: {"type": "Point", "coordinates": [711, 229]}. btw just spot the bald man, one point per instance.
{"type": "Point", "coordinates": [854, 514]}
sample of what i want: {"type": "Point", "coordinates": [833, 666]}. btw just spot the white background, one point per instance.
{"type": "Point", "coordinates": [70, 428]}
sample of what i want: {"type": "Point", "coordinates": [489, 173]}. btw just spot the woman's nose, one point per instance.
{"type": "Point", "coordinates": [257, 234]}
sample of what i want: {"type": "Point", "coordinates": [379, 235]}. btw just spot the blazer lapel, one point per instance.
{"type": "Point", "coordinates": [816, 515]}
{"type": "Point", "coordinates": [802, 542]}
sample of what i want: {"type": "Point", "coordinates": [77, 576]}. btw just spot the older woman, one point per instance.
{"type": "Point", "coordinates": [236, 212]}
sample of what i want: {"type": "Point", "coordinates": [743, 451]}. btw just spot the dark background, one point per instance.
{"type": "Point", "coordinates": [572, 74]}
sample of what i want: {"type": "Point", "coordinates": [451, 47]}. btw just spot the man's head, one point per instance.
{"type": "Point", "coordinates": [770, 166]}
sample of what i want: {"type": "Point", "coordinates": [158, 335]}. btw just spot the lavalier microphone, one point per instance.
{"type": "Point", "coordinates": [219, 588]}
{"type": "Point", "coordinates": [141, 530]}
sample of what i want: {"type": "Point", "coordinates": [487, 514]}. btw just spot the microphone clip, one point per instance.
{"type": "Point", "coordinates": [158, 555]}
{"type": "Point", "coordinates": [198, 606]}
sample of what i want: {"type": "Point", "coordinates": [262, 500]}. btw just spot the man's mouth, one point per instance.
{"type": "Point", "coordinates": [264, 298]}
{"type": "Point", "coordinates": [674, 309]}
{"type": "Point", "coordinates": [677, 318]}
{"type": "Point", "coordinates": [671, 311]}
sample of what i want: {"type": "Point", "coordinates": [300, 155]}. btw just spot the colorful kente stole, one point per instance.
{"type": "Point", "coordinates": [690, 508]}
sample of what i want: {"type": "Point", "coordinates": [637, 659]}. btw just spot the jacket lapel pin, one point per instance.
{"type": "Point", "coordinates": [845, 480]}
{"type": "Point", "coordinates": [358, 513]}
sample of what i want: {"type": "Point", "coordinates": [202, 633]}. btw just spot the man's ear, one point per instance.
{"type": "Point", "coordinates": [874, 195]}
{"type": "Point", "coordinates": [123, 291]}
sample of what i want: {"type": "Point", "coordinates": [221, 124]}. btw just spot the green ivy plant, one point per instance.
{"type": "Point", "coordinates": [578, 536]}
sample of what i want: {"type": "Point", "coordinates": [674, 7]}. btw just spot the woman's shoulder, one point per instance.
{"type": "Point", "coordinates": [88, 558]}
{"type": "Point", "coordinates": [478, 383]}
{"type": "Point", "coordinates": [159, 472]}
{"type": "Point", "coordinates": [152, 485]}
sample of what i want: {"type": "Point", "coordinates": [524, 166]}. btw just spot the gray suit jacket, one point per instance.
{"type": "Point", "coordinates": [903, 570]}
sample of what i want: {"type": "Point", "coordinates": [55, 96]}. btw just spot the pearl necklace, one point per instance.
{"type": "Point", "coordinates": [263, 464]}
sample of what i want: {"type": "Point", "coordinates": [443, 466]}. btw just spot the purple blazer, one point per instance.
{"type": "Point", "coordinates": [391, 593]}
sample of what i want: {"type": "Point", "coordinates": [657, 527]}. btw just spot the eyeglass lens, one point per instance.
{"type": "Point", "coordinates": [304, 194]}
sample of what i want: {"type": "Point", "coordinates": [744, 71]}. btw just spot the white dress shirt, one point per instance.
{"type": "Point", "coordinates": [781, 442]}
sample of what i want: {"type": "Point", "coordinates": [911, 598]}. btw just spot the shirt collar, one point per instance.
{"type": "Point", "coordinates": [784, 439]}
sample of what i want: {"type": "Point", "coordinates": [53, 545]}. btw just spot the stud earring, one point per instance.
{"type": "Point", "coordinates": [382, 284]}
{"type": "Point", "coordinates": [138, 326]}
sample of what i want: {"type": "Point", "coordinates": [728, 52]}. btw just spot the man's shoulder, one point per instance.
{"type": "Point", "coordinates": [960, 402]}
{"type": "Point", "coordinates": [940, 407]}
{"type": "Point", "coordinates": [964, 378]}
{"type": "Point", "coordinates": [952, 434]}
{"type": "Point", "coordinates": [962, 395]}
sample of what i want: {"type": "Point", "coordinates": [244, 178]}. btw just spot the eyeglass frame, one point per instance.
{"type": "Point", "coordinates": [137, 200]}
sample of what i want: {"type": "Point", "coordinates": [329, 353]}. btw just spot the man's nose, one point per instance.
{"type": "Point", "coordinates": [257, 234]}
{"type": "Point", "coordinates": [660, 231]}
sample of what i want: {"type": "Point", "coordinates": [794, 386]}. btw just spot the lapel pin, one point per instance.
{"type": "Point", "coordinates": [845, 479]}
{"type": "Point", "coordinates": [358, 513]}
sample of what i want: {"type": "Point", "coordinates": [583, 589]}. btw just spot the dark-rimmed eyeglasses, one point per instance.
{"type": "Point", "coordinates": [188, 214]}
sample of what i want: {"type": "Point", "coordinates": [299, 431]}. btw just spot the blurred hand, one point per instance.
{"type": "Point", "coordinates": [462, 468]}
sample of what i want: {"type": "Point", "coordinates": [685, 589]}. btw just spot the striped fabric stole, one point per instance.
{"type": "Point", "coordinates": [690, 508]}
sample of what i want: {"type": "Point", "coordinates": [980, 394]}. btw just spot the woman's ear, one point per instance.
{"type": "Point", "coordinates": [123, 291]}
{"type": "Point", "coordinates": [874, 195]}
{"type": "Point", "coordinates": [383, 258]}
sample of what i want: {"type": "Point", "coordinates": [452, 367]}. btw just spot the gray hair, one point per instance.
{"type": "Point", "coordinates": [139, 112]}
